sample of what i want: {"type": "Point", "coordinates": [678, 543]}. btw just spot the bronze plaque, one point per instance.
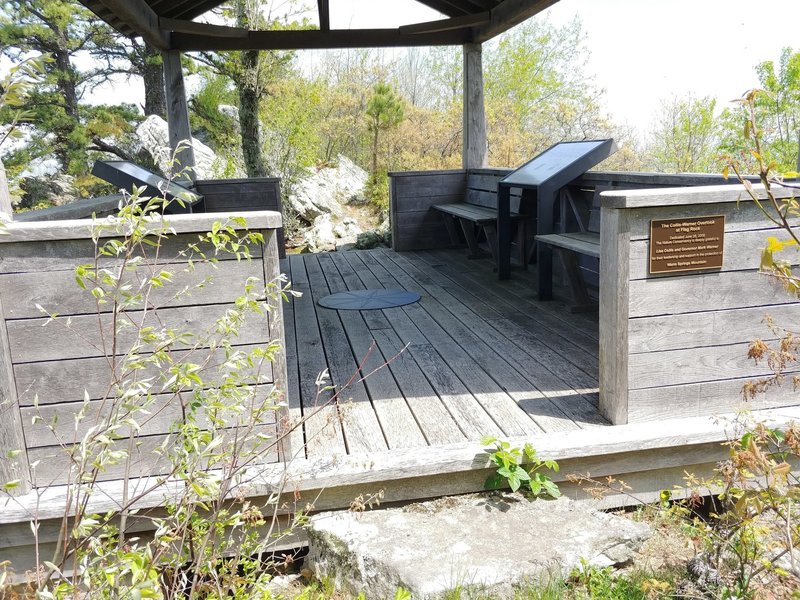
{"type": "Point", "coordinates": [691, 244]}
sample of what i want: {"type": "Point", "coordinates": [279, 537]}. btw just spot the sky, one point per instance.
{"type": "Point", "coordinates": [642, 52]}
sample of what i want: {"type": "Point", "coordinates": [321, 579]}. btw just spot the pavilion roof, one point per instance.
{"type": "Point", "coordinates": [169, 25]}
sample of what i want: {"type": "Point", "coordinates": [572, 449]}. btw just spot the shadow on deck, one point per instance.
{"type": "Point", "coordinates": [475, 356]}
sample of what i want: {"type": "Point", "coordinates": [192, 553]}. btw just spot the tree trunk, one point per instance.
{"type": "Point", "coordinates": [375, 152]}
{"type": "Point", "coordinates": [155, 98]}
{"type": "Point", "coordinates": [249, 97]}
{"type": "Point", "coordinates": [66, 83]}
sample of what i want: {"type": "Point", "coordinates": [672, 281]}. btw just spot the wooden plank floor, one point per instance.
{"type": "Point", "coordinates": [475, 356]}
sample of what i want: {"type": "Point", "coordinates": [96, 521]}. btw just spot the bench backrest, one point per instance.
{"type": "Point", "coordinates": [482, 191]}
{"type": "Point", "coordinates": [594, 210]}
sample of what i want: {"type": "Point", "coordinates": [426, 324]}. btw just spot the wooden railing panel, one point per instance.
{"type": "Point", "coordinates": [681, 340]}
{"type": "Point", "coordinates": [52, 370]}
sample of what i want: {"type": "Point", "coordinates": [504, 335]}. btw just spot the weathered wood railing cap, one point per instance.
{"type": "Point", "coordinates": [76, 229]}
{"type": "Point", "coordinates": [710, 194]}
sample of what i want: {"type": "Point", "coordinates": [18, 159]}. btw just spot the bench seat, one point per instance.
{"type": "Point", "coordinates": [582, 242]}
{"type": "Point", "coordinates": [480, 215]}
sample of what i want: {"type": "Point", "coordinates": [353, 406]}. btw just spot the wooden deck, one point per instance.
{"type": "Point", "coordinates": [474, 356]}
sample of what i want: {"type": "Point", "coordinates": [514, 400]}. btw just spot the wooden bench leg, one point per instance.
{"type": "Point", "coordinates": [583, 303]}
{"type": "Point", "coordinates": [452, 232]}
{"type": "Point", "coordinates": [490, 229]}
{"type": "Point", "coordinates": [522, 251]}
{"type": "Point", "coordinates": [472, 241]}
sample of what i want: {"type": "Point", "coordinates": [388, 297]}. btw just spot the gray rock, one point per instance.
{"type": "Point", "coordinates": [153, 136]}
{"type": "Point", "coordinates": [324, 191]}
{"type": "Point", "coordinates": [487, 543]}
{"type": "Point", "coordinates": [57, 189]}
{"type": "Point", "coordinates": [320, 237]}
{"type": "Point", "coordinates": [347, 230]}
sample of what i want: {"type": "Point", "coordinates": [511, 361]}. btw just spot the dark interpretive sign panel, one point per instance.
{"type": "Point", "coordinates": [683, 245]}
{"type": "Point", "coordinates": [555, 159]}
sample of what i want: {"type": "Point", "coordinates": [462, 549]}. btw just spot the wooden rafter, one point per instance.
{"type": "Point", "coordinates": [447, 24]}
{"type": "Point", "coordinates": [316, 39]}
{"type": "Point", "coordinates": [509, 13]}
{"type": "Point", "coordinates": [168, 24]}
{"type": "Point", "coordinates": [138, 15]}
{"type": "Point", "coordinates": [201, 28]}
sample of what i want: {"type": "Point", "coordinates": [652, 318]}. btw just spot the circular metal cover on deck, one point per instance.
{"type": "Point", "coordinates": [368, 299]}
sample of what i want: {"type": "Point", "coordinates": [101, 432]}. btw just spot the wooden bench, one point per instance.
{"type": "Point", "coordinates": [570, 245]}
{"type": "Point", "coordinates": [478, 212]}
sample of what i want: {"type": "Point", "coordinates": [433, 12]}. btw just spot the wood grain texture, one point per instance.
{"type": "Point", "coordinates": [58, 292]}
{"type": "Point", "coordinates": [709, 328]}
{"type": "Point", "coordinates": [180, 131]}
{"type": "Point", "coordinates": [147, 458]}
{"type": "Point", "coordinates": [693, 365]}
{"type": "Point", "coordinates": [745, 216]}
{"type": "Point", "coordinates": [271, 276]}
{"type": "Point", "coordinates": [360, 424]}
{"type": "Point", "coordinates": [44, 382]}
{"type": "Point", "coordinates": [710, 194]}
{"type": "Point", "coordinates": [615, 299]}
{"type": "Point", "coordinates": [396, 419]}
{"type": "Point", "coordinates": [33, 340]}
{"type": "Point", "coordinates": [637, 445]}
{"type": "Point", "coordinates": [54, 424]}
{"type": "Point", "coordinates": [712, 291]}
{"type": "Point", "coordinates": [12, 438]}
{"type": "Point", "coordinates": [188, 223]}
{"type": "Point", "coordinates": [475, 148]}
{"type": "Point", "coordinates": [321, 419]}
{"type": "Point", "coordinates": [705, 398]}
{"type": "Point", "coordinates": [65, 255]}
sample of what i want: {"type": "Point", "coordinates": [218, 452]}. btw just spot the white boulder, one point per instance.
{"type": "Point", "coordinates": [324, 191]}
{"type": "Point", "coordinates": [153, 135]}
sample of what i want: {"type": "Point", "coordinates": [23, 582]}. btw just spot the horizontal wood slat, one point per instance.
{"type": "Point", "coordinates": [54, 425]}
{"type": "Point", "coordinates": [709, 292]}
{"type": "Point", "coordinates": [58, 292]}
{"type": "Point", "coordinates": [44, 382]}
{"type": "Point", "coordinates": [36, 340]}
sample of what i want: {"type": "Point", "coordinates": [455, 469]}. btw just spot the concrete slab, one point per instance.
{"type": "Point", "coordinates": [491, 543]}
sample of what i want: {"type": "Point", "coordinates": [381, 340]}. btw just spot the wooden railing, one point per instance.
{"type": "Point", "coordinates": [53, 370]}
{"type": "Point", "coordinates": [676, 344]}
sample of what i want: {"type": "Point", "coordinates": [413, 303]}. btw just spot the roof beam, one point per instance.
{"type": "Point", "coordinates": [141, 19]}
{"type": "Point", "coordinates": [446, 24]}
{"type": "Point", "coordinates": [510, 13]}
{"type": "Point", "coordinates": [316, 39]}
{"type": "Point", "coordinates": [201, 28]}
{"type": "Point", "coordinates": [324, 15]}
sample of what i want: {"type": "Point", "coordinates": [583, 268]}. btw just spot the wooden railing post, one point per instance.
{"type": "Point", "coordinates": [615, 238]}
{"type": "Point", "coordinates": [13, 453]}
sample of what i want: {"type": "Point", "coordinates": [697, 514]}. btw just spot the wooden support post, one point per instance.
{"type": "Point", "coordinates": [13, 453]}
{"type": "Point", "coordinates": [474, 133]}
{"type": "Point", "coordinates": [178, 114]}
{"type": "Point", "coordinates": [5, 198]}
{"type": "Point", "coordinates": [271, 265]}
{"type": "Point", "coordinates": [615, 235]}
